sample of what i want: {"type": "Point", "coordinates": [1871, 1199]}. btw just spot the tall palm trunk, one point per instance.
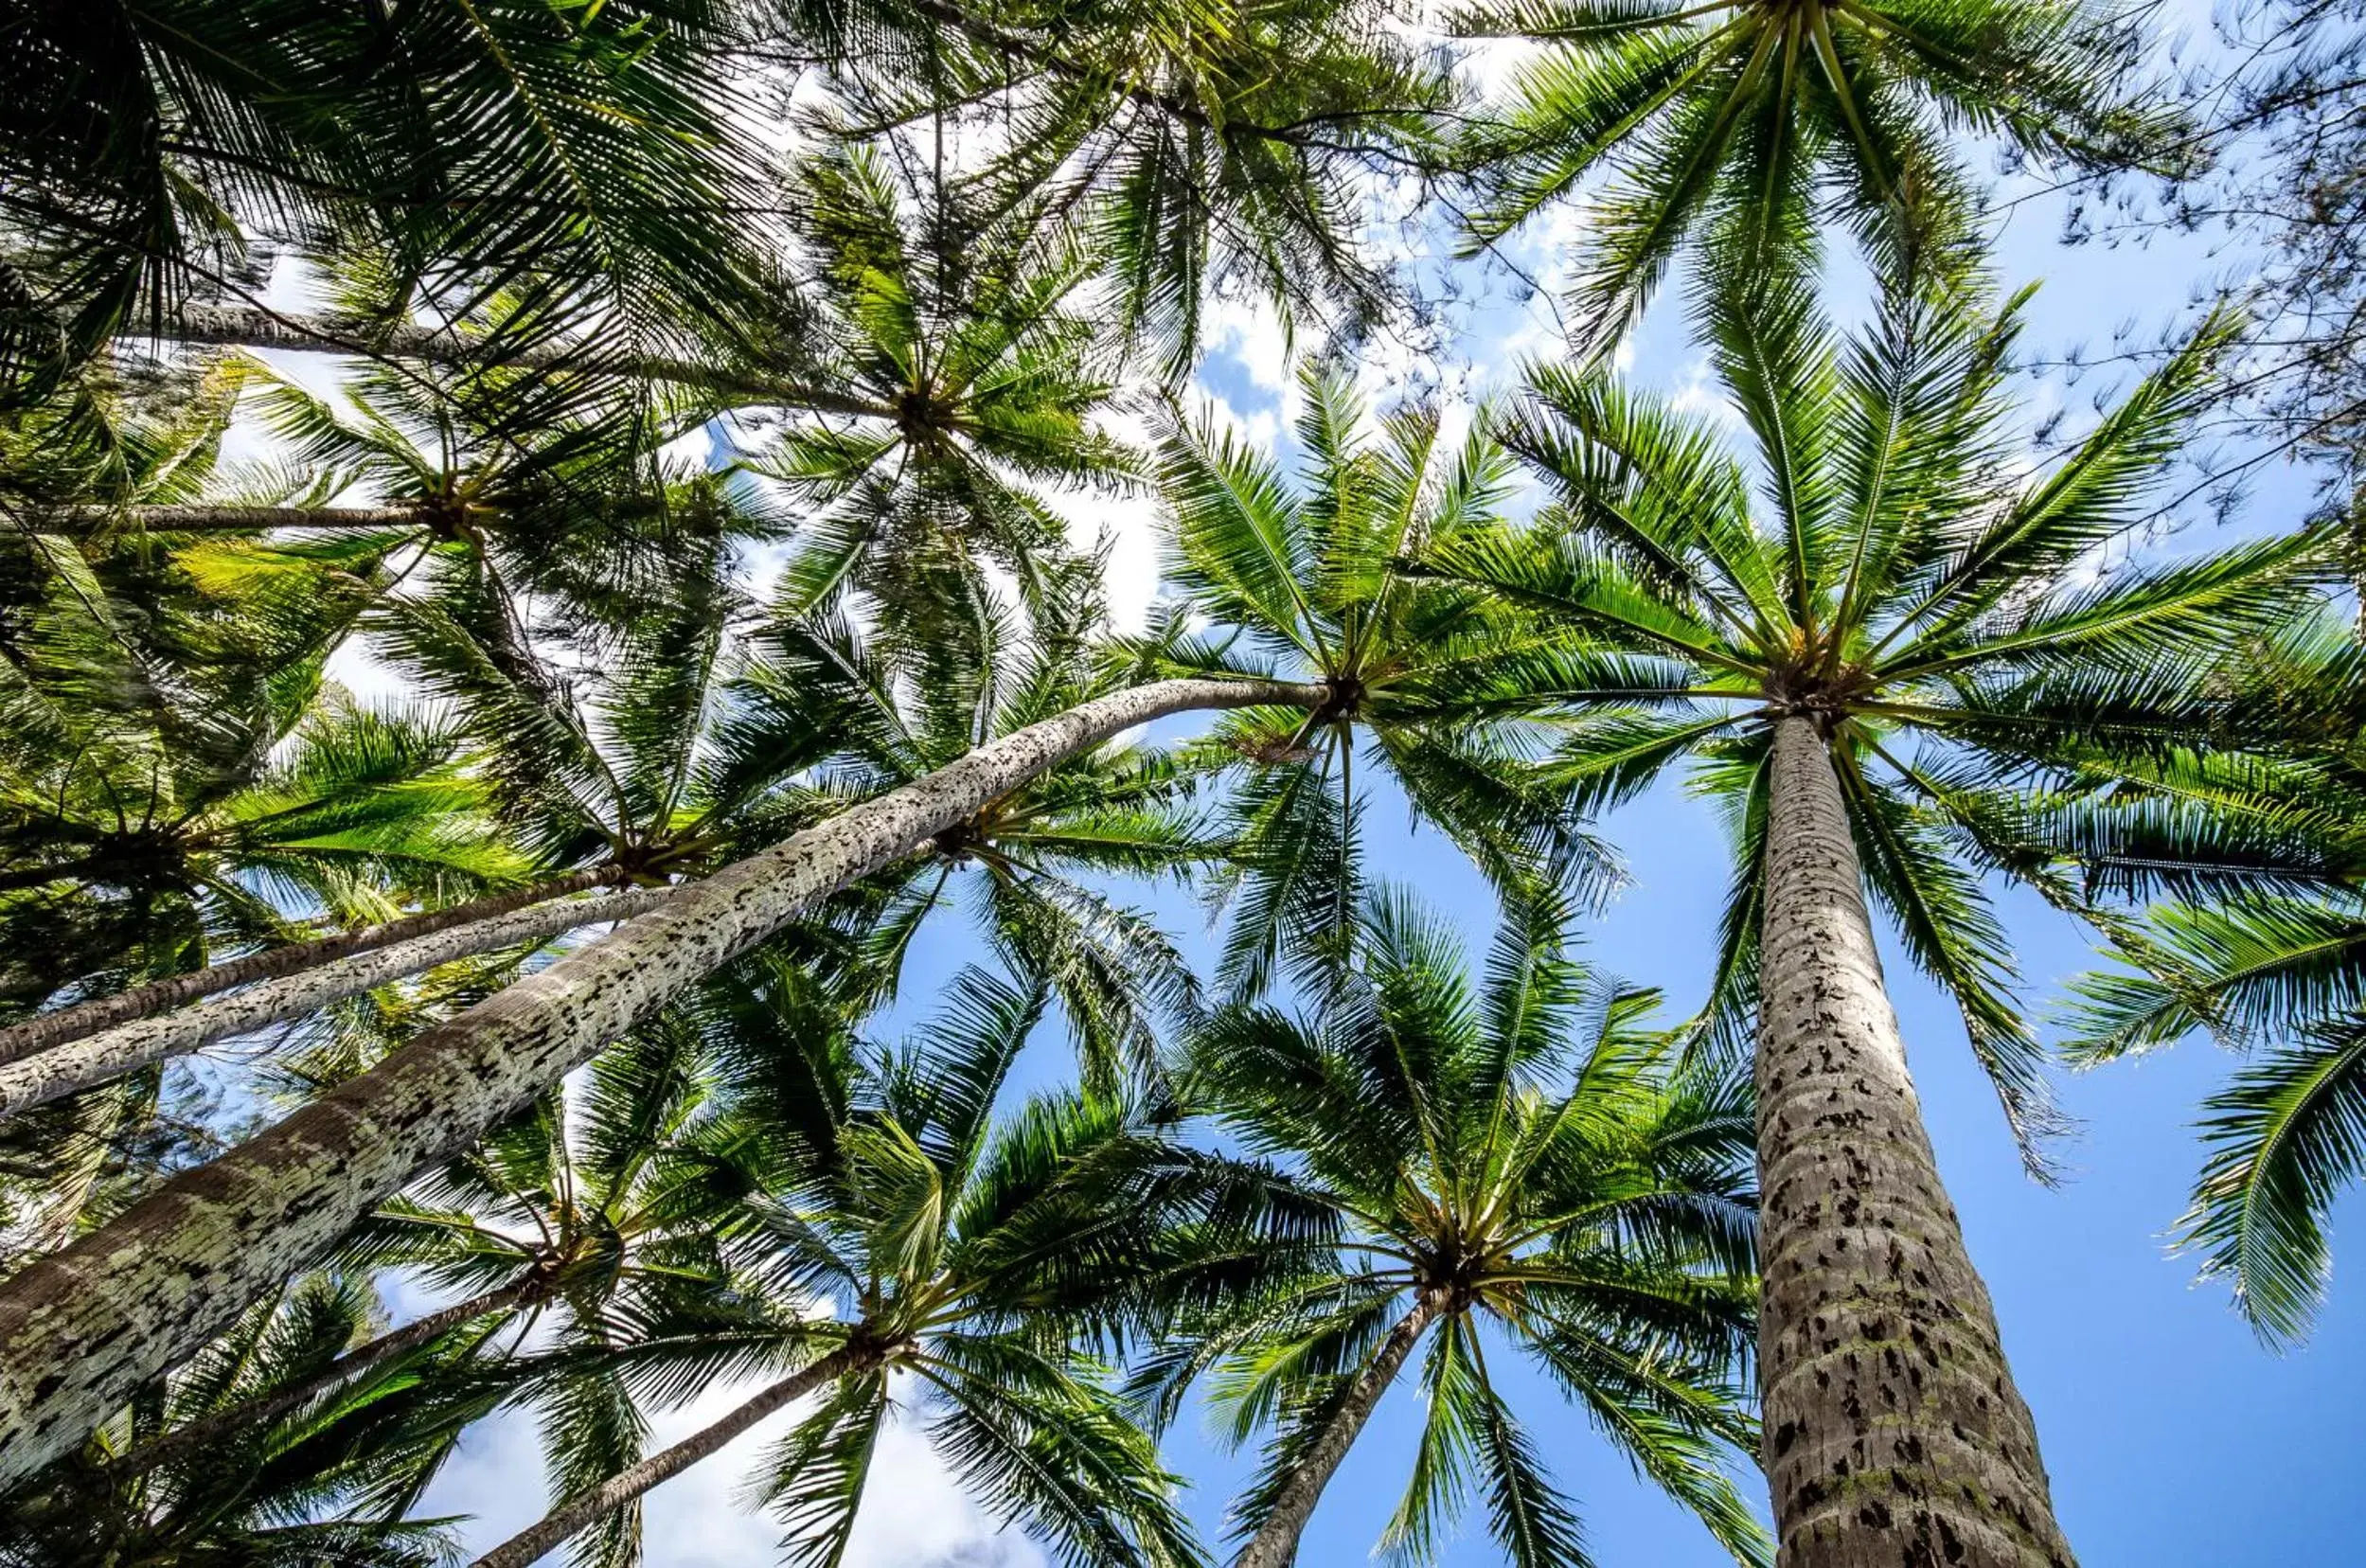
{"type": "Point", "coordinates": [1894, 1437]}
{"type": "Point", "coordinates": [81, 1329]}
{"type": "Point", "coordinates": [587, 1508]}
{"type": "Point", "coordinates": [1276, 1542]}
{"type": "Point", "coordinates": [51, 1028]}
{"type": "Point", "coordinates": [197, 518]}
{"type": "Point", "coordinates": [197, 1434]}
{"type": "Point", "coordinates": [96, 1059]}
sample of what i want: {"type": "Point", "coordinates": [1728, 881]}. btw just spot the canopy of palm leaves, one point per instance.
{"type": "Point", "coordinates": [1521, 1146]}
{"type": "Point", "coordinates": [1757, 121]}
{"type": "Point", "coordinates": [1882, 566]}
{"type": "Point", "coordinates": [1207, 148]}
{"type": "Point", "coordinates": [965, 376]}
{"type": "Point", "coordinates": [974, 1248]}
{"type": "Point", "coordinates": [578, 156]}
{"type": "Point", "coordinates": [1432, 682]}
{"type": "Point", "coordinates": [2252, 839]}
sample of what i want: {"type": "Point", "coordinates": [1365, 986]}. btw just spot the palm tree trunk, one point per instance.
{"type": "Point", "coordinates": [80, 1064]}
{"type": "Point", "coordinates": [587, 1508]}
{"type": "Point", "coordinates": [248, 326]}
{"type": "Point", "coordinates": [1276, 1542]}
{"type": "Point", "coordinates": [82, 1327]}
{"type": "Point", "coordinates": [19, 1040]}
{"type": "Point", "coordinates": [1894, 1432]}
{"type": "Point", "coordinates": [270, 1407]}
{"type": "Point", "coordinates": [226, 518]}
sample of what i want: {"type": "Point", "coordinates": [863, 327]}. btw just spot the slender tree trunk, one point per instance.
{"type": "Point", "coordinates": [226, 518]}
{"type": "Point", "coordinates": [51, 1028]}
{"type": "Point", "coordinates": [1276, 1542]}
{"type": "Point", "coordinates": [1894, 1437]}
{"type": "Point", "coordinates": [270, 1407]}
{"type": "Point", "coordinates": [80, 1064]}
{"type": "Point", "coordinates": [249, 326]}
{"type": "Point", "coordinates": [587, 1508]}
{"type": "Point", "coordinates": [81, 1329]}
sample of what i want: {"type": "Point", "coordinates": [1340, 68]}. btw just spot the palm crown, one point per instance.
{"type": "Point", "coordinates": [1036, 859]}
{"type": "Point", "coordinates": [1742, 118]}
{"type": "Point", "coordinates": [974, 1248]}
{"type": "Point", "coordinates": [1890, 575]}
{"type": "Point", "coordinates": [1432, 681]}
{"type": "Point", "coordinates": [1529, 1164]}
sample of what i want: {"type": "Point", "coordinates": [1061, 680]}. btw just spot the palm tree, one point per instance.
{"type": "Point", "coordinates": [180, 818]}
{"type": "Point", "coordinates": [956, 1249]}
{"type": "Point", "coordinates": [302, 1483]}
{"type": "Point", "coordinates": [588, 162]}
{"type": "Point", "coordinates": [1516, 1165]}
{"type": "Point", "coordinates": [968, 378]}
{"type": "Point", "coordinates": [1753, 122]}
{"type": "Point", "coordinates": [2251, 836]}
{"type": "Point", "coordinates": [1430, 683]}
{"type": "Point", "coordinates": [896, 709]}
{"type": "Point", "coordinates": [1888, 579]}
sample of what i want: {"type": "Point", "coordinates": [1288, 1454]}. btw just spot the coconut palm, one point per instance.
{"type": "Point", "coordinates": [959, 1248]}
{"type": "Point", "coordinates": [134, 839]}
{"type": "Point", "coordinates": [967, 378]}
{"type": "Point", "coordinates": [1889, 619]}
{"type": "Point", "coordinates": [587, 162]}
{"type": "Point", "coordinates": [1755, 123]}
{"type": "Point", "coordinates": [1031, 864]}
{"type": "Point", "coordinates": [1204, 150]}
{"type": "Point", "coordinates": [1516, 1166]}
{"type": "Point", "coordinates": [1431, 685]}
{"type": "Point", "coordinates": [322, 1481]}
{"type": "Point", "coordinates": [2259, 940]}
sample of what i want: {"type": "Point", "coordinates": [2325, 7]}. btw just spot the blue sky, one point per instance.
{"type": "Point", "coordinates": [2173, 1440]}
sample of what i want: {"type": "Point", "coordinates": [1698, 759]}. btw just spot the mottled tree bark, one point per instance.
{"type": "Point", "coordinates": [81, 1329]}
{"type": "Point", "coordinates": [250, 327]}
{"type": "Point", "coordinates": [96, 1059]}
{"type": "Point", "coordinates": [1894, 1437]}
{"type": "Point", "coordinates": [1276, 1542]}
{"type": "Point", "coordinates": [188, 1439]}
{"type": "Point", "coordinates": [51, 1028]}
{"type": "Point", "coordinates": [584, 1509]}
{"type": "Point", "coordinates": [225, 519]}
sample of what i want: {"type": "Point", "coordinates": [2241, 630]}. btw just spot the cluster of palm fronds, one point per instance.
{"type": "Point", "coordinates": [714, 383]}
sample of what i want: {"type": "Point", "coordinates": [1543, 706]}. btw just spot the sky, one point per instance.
{"type": "Point", "coordinates": [2173, 1438]}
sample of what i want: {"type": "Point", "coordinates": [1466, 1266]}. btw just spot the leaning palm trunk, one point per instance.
{"type": "Point", "coordinates": [1276, 1542]}
{"type": "Point", "coordinates": [84, 1064]}
{"type": "Point", "coordinates": [19, 1040]}
{"type": "Point", "coordinates": [81, 1329]}
{"type": "Point", "coordinates": [1894, 1432]}
{"type": "Point", "coordinates": [226, 518]}
{"type": "Point", "coordinates": [192, 1438]}
{"type": "Point", "coordinates": [587, 1508]}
